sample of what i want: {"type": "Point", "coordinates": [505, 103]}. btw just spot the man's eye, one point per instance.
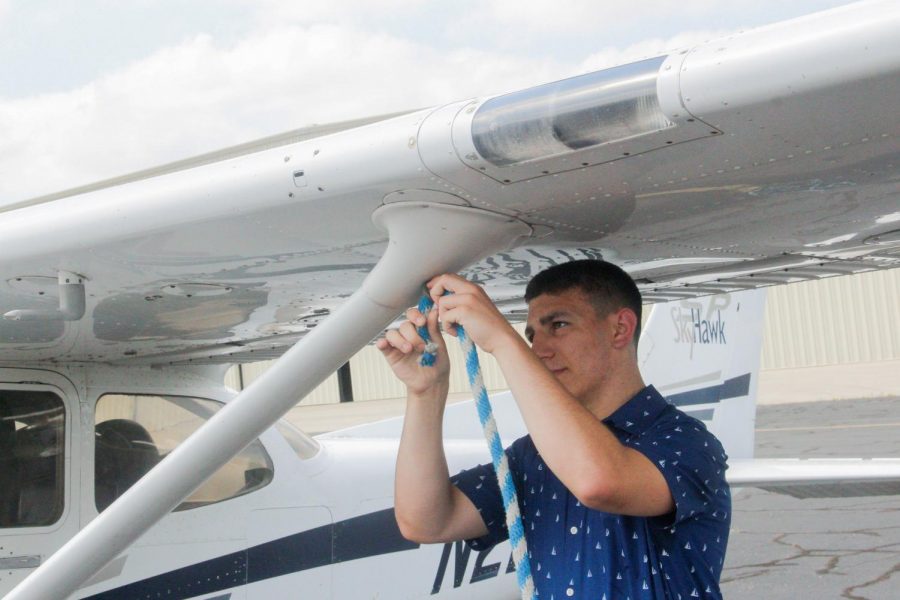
{"type": "Point", "coordinates": [558, 324]}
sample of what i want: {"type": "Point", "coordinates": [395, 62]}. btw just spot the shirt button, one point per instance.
{"type": "Point", "coordinates": [570, 592]}
{"type": "Point", "coordinates": [573, 530]}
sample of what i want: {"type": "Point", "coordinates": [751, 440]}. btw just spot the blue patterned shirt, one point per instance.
{"type": "Point", "coordinates": [578, 552]}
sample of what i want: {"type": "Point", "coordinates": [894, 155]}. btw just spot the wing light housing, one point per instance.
{"type": "Point", "coordinates": [569, 115]}
{"type": "Point", "coordinates": [571, 124]}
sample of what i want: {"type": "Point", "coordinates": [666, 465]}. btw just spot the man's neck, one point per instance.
{"type": "Point", "coordinates": [618, 389]}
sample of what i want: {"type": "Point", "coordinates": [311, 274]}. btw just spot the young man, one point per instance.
{"type": "Point", "coordinates": [622, 495]}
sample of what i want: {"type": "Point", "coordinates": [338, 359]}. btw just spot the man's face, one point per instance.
{"type": "Point", "coordinates": [571, 340]}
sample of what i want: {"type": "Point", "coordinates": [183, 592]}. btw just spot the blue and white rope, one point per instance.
{"type": "Point", "coordinates": [498, 456]}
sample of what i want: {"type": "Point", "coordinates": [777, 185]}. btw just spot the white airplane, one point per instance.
{"type": "Point", "coordinates": [760, 159]}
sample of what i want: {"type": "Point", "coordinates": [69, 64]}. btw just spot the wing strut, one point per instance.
{"type": "Point", "coordinates": [426, 238]}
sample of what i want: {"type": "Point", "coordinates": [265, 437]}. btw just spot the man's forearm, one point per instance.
{"type": "Point", "coordinates": [574, 443]}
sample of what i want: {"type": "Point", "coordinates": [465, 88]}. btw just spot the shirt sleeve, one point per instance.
{"type": "Point", "coordinates": [479, 484]}
{"type": "Point", "coordinates": [693, 463]}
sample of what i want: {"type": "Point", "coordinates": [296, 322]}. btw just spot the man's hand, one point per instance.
{"type": "Point", "coordinates": [402, 348]}
{"type": "Point", "coordinates": [468, 305]}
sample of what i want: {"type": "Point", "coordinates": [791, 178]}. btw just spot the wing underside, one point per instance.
{"type": "Point", "coordinates": [767, 158]}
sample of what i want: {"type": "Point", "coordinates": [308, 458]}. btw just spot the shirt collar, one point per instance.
{"type": "Point", "coordinates": [636, 415]}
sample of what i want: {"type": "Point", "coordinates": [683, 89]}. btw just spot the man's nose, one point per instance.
{"type": "Point", "coordinates": [541, 346]}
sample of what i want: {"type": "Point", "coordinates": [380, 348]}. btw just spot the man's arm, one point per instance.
{"type": "Point", "coordinates": [580, 450]}
{"type": "Point", "coordinates": [428, 507]}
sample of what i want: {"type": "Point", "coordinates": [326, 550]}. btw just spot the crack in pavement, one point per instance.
{"type": "Point", "coordinates": [847, 593]}
{"type": "Point", "coordinates": [832, 564]}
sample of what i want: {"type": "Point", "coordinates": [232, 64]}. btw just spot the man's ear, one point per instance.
{"type": "Point", "coordinates": [625, 324]}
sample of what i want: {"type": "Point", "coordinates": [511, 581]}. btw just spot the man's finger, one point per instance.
{"type": "Point", "coordinates": [411, 334]}
{"type": "Point", "coordinates": [445, 303]}
{"type": "Point", "coordinates": [396, 340]}
{"type": "Point", "coordinates": [442, 284]}
{"type": "Point", "coordinates": [416, 317]}
{"type": "Point", "coordinates": [434, 328]}
{"type": "Point", "coordinates": [390, 354]}
{"type": "Point", "coordinates": [448, 324]}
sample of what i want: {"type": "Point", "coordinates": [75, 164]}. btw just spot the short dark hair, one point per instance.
{"type": "Point", "coordinates": [607, 286]}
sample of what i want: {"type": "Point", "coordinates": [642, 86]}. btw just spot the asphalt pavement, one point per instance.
{"type": "Point", "coordinates": [785, 548]}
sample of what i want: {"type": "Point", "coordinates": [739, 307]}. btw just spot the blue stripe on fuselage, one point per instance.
{"type": "Point", "coordinates": [730, 388]}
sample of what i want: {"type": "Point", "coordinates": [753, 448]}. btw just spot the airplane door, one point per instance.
{"type": "Point", "coordinates": [198, 550]}
{"type": "Point", "coordinates": [39, 424]}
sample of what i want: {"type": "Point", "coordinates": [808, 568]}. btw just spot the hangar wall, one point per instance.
{"type": "Point", "coordinates": [833, 321]}
{"type": "Point", "coordinates": [839, 321]}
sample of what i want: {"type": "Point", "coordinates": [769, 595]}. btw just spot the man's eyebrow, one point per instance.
{"type": "Point", "coordinates": [553, 316]}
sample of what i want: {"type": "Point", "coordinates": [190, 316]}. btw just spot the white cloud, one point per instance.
{"type": "Point", "coordinates": [4, 11]}
{"type": "Point", "coordinates": [581, 15]}
{"type": "Point", "coordinates": [604, 18]}
{"type": "Point", "coordinates": [609, 57]}
{"type": "Point", "coordinates": [279, 13]}
{"type": "Point", "coordinates": [197, 97]}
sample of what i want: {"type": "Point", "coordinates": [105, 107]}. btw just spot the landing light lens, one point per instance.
{"type": "Point", "coordinates": [568, 115]}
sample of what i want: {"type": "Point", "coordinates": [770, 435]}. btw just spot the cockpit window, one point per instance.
{"type": "Point", "coordinates": [132, 433]}
{"type": "Point", "coordinates": [32, 458]}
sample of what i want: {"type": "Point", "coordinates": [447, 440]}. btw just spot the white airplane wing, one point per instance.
{"type": "Point", "coordinates": [818, 477]}
{"type": "Point", "coordinates": [764, 158]}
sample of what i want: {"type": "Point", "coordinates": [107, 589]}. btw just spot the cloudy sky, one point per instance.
{"type": "Point", "coordinates": [98, 88]}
